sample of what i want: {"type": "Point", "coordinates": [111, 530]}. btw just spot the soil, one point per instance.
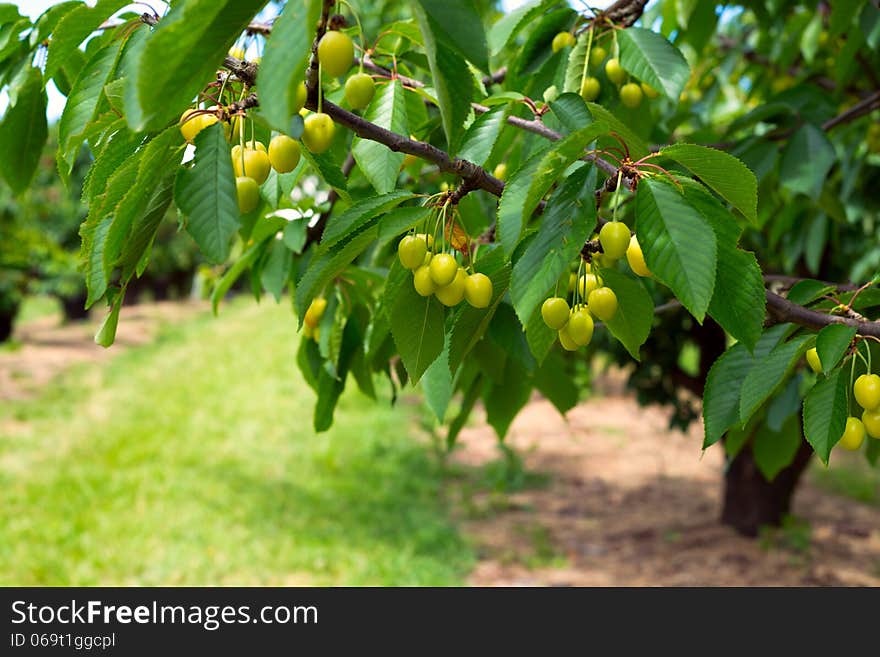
{"type": "Point", "coordinates": [629, 503]}
{"type": "Point", "coordinates": [47, 346]}
{"type": "Point", "coordinates": [612, 497]}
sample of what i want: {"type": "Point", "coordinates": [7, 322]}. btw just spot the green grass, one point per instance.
{"type": "Point", "coordinates": [37, 306]}
{"type": "Point", "coordinates": [851, 476]}
{"type": "Point", "coordinates": [192, 461]}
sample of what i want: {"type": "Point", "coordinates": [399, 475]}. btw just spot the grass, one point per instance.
{"type": "Point", "coordinates": [849, 475]}
{"type": "Point", "coordinates": [37, 306]}
{"type": "Point", "coordinates": [192, 461]}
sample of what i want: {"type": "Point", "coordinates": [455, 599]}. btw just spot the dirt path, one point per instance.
{"type": "Point", "coordinates": [48, 347]}
{"type": "Point", "coordinates": [630, 503]}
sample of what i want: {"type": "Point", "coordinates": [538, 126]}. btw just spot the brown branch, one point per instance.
{"type": "Point", "coordinates": [864, 106]}
{"type": "Point", "coordinates": [624, 12]}
{"type": "Point", "coordinates": [783, 310]}
{"type": "Point", "coordinates": [789, 281]}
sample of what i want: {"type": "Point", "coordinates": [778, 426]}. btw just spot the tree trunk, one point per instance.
{"type": "Point", "coordinates": [7, 319]}
{"type": "Point", "coordinates": [74, 308]}
{"type": "Point", "coordinates": [750, 501]}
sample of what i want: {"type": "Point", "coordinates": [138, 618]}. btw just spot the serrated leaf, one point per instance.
{"type": "Point", "coordinates": [329, 171]}
{"type": "Point", "coordinates": [653, 60]}
{"type": "Point", "coordinates": [572, 112]}
{"type": "Point", "coordinates": [529, 184]}
{"type": "Point", "coordinates": [679, 245]}
{"type": "Point", "coordinates": [284, 60]}
{"type": "Point", "coordinates": [23, 133]}
{"type": "Point", "coordinates": [632, 322]}
{"type": "Point", "coordinates": [205, 194]}
{"type": "Point", "coordinates": [767, 375]}
{"type": "Point", "coordinates": [832, 343]}
{"type": "Point", "coordinates": [509, 25]}
{"type": "Point", "coordinates": [738, 299]}
{"type": "Point", "coordinates": [554, 383]}
{"type": "Point", "coordinates": [721, 395]}
{"type": "Point", "coordinates": [437, 385]}
{"type": "Point", "coordinates": [806, 161]}
{"type": "Point", "coordinates": [775, 450]}
{"type": "Point", "coordinates": [182, 54]}
{"type": "Point", "coordinates": [808, 290]}
{"type": "Point", "coordinates": [825, 412]}
{"type": "Point", "coordinates": [567, 221]}
{"type": "Point", "coordinates": [417, 328]}
{"type": "Point", "coordinates": [379, 163]}
{"type": "Point", "coordinates": [452, 81]}
{"type": "Point", "coordinates": [577, 62]}
{"type": "Point", "coordinates": [325, 266]}
{"type": "Point", "coordinates": [721, 172]}
{"type": "Point", "coordinates": [480, 137]}
{"type": "Point", "coordinates": [400, 220]}
{"type": "Point", "coordinates": [358, 215]}
{"type": "Point", "coordinates": [74, 28]}
{"type": "Point", "coordinates": [106, 334]}
{"type": "Point", "coordinates": [160, 155]}
{"type": "Point", "coordinates": [82, 104]}
{"type": "Point", "coordinates": [637, 147]}
{"type": "Point", "coordinates": [504, 400]}
{"type": "Point", "coordinates": [233, 273]}
{"type": "Point", "coordinates": [458, 24]}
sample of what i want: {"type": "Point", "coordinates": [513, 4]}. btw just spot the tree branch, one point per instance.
{"type": "Point", "coordinates": [783, 310]}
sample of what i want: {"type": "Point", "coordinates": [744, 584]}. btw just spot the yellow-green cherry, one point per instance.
{"type": "Point", "coordinates": [412, 251]}
{"type": "Point", "coordinates": [443, 269]}
{"type": "Point", "coordinates": [853, 434]}
{"type": "Point", "coordinates": [614, 238]}
{"type": "Point", "coordinates": [603, 303]}
{"type": "Point", "coordinates": [247, 192]}
{"type": "Point", "coordinates": [590, 89]}
{"type": "Point", "coordinates": [335, 53]}
{"type": "Point", "coordinates": [867, 391]}
{"type": "Point", "coordinates": [453, 293]}
{"type": "Point", "coordinates": [631, 95]}
{"type": "Point", "coordinates": [566, 340]}
{"type": "Point", "coordinates": [871, 420]}
{"type": "Point", "coordinates": [422, 281]}
{"type": "Point", "coordinates": [614, 71]}
{"type": "Point", "coordinates": [562, 40]}
{"type": "Point", "coordinates": [580, 326]}
{"type": "Point", "coordinates": [555, 312]}
{"type": "Point", "coordinates": [318, 132]}
{"type": "Point", "coordinates": [284, 153]}
{"type": "Point", "coordinates": [478, 290]}
{"type": "Point", "coordinates": [636, 258]}
{"type": "Point", "coordinates": [813, 360]}
{"type": "Point", "coordinates": [359, 90]}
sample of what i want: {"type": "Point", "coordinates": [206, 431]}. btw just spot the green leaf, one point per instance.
{"type": "Point", "coordinates": [509, 25]}
{"type": "Point", "coordinates": [452, 80]}
{"type": "Point", "coordinates": [529, 183]}
{"type": "Point", "coordinates": [637, 147]}
{"type": "Point", "coordinates": [276, 269]}
{"type": "Point", "coordinates": [457, 24]}
{"type": "Point", "coordinates": [632, 322]}
{"type": "Point", "coordinates": [23, 133]}
{"type": "Point", "coordinates": [832, 343]}
{"type": "Point", "coordinates": [806, 161]}
{"type": "Point", "coordinates": [825, 413]}
{"type": "Point", "coordinates": [721, 396]}
{"type": "Point", "coordinates": [738, 299]}
{"type": "Point", "coordinates": [469, 324]}
{"type": "Point", "coordinates": [653, 60]}
{"type": "Point", "coordinates": [330, 173]}
{"type": "Point", "coordinates": [775, 450]}
{"type": "Point", "coordinates": [182, 54]}
{"type": "Point", "coordinates": [566, 224]}
{"type": "Point", "coordinates": [471, 395]}
{"type": "Point", "coordinates": [358, 215]}
{"type": "Point", "coordinates": [325, 266]}
{"type": "Point", "coordinates": [400, 220]}
{"type": "Point", "coordinates": [74, 28]}
{"type": "Point", "coordinates": [82, 103]}
{"type": "Point", "coordinates": [577, 61]}
{"type": "Point", "coordinates": [144, 227]}
{"type": "Point", "coordinates": [808, 290]}
{"type": "Point", "coordinates": [504, 400]}
{"type": "Point", "coordinates": [284, 60]}
{"type": "Point", "coordinates": [680, 247]}
{"type": "Point", "coordinates": [572, 112]}
{"type": "Point", "coordinates": [330, 387]}
{"type": "Point", "coordinates": [205, 194]}
{"type": "Point", "coordinates": [437, 385]}
{"type": "Point", "coordinates": [721, 172]}
{"type": "Point", "coordinates": [416, 326]}
{"type": "Point", "coordinates": [553, 382]}
{"type": "Point", "coordinates": [160, 156]}
{"type": "Point", "coordinates": [480, 138]}
{"type": "Point", "coordinates": [106, 335]}
{"type": "Point", "coordinates": [379, 163]}
{"type": "Point", "coordinates": [233, 273]}
{"type": "Point", "coordinates": [767, 375]}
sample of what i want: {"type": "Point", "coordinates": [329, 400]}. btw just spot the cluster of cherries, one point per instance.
{"type": "Point", "coordinates": [631, 93]}
{"type": "Point", "coordinates": [252, 161]}
{"type": "Point", "coordinates": [574, 324]}
{"type": "Point", "coordinates": [441, 275]}
{"type": "Point", "coordinates": [866, 391]}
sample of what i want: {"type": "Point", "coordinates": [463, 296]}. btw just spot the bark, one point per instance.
{"type": "Point", "coordinates": [750, 501]}
{"type": "Point", "coordinates": [7, 319]}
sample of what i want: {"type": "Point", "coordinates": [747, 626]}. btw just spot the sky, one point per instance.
{"type": "Point", "coordinates": [33, 8]}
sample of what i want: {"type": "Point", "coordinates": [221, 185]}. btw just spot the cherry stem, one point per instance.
{"type": "Point", "coordinates": [616, 196]}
